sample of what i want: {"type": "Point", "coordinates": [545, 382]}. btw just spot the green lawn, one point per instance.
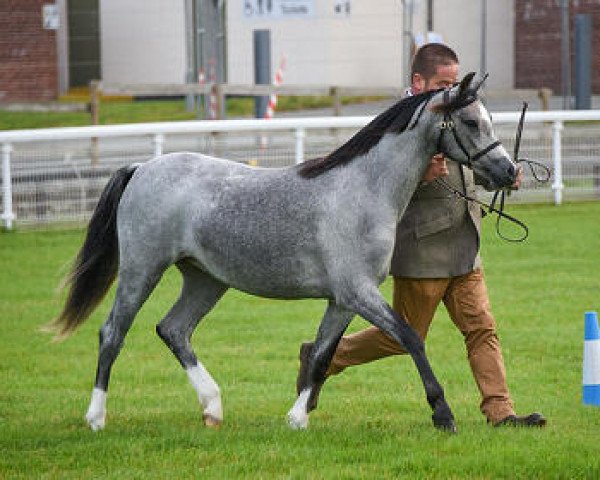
{"type": "Point", "coordinates": [373, 421]}
{"type": "Point", "coordinates": [115, 111]}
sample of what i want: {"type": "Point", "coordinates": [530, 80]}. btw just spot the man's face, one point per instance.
{"type": "Point", "coordinates": [445, 76]}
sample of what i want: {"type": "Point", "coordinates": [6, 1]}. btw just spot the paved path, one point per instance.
{"type": "Point", "coordinates": [512, 104]}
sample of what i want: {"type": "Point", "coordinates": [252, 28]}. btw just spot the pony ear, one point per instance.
{"type": "Point", "coordinates": [478, 84]}
{"type": "Point", "coordinates": [467, 89]}
{"type": "Point", "coordinates": [463, 88]}
{"type": "Point", "coordinates": [460, 96]}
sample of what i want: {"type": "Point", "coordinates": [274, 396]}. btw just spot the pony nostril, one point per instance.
{"type": "Point", "coordinates": [511, 170]}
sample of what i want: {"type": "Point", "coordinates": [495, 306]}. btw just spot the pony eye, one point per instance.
{"type": "Point", "coordinates": [470, 123]}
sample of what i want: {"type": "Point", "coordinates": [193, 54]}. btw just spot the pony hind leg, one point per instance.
{"type": "Point", "coordinates": [332, 327]}
{"type": "Point", "coordinates": [199, 294]}
{"type": "Point", "coordinates": [131, 293]}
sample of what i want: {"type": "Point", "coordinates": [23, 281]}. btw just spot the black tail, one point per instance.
{"type": "Point", "coordinates": [97, 262]}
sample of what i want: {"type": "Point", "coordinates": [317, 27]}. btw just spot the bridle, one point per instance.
{"type": "Point", "coordinates": [448, 125]}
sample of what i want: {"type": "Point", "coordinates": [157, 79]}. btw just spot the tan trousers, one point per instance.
{"type": "Point", "coordinates": [467, 302]}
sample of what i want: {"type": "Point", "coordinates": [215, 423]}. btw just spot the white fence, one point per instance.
{"type": "Point", "coordinates": [56, 175]}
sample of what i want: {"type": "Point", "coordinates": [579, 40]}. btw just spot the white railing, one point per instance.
{"type": "Point", "coordinates": [158, 133]}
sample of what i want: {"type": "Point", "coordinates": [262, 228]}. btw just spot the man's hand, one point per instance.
{"type": "Point", "coordinates": [437, 168]}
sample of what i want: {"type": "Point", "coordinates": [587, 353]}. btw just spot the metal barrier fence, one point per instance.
{"type": "Point", "coordinates": [56, 175]}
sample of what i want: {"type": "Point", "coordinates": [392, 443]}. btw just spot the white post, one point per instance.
{"type": "Point", "coordinates": [159, 141]}
{"type": "Point", "coordinates": [557, 186]}
{"type": "Point", "coordinates": [300, 134]}
{"type": "Point", "coordinates": [8, 216]}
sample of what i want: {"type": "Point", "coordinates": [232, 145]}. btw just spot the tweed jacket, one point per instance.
{"type": "Point", "coordinates": [438, 236]}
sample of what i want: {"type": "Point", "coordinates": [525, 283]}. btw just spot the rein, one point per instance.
{"type": "Point", "coordinates": [448, 124]}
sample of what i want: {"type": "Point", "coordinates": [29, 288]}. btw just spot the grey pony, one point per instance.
{"type": "Point", "coordinates": [322, 229]}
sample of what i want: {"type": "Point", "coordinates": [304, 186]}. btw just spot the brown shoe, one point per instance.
{"type": "Point", "coordinates": [305, 352]}
{"type": "Point", "coordinates": [533, 420]}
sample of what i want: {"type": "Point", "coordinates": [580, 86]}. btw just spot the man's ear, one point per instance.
{"type": "Point", "coordinates": [417, 83]}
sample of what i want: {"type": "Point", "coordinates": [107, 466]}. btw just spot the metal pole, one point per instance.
{"type": "Point", "coordinates": [200, 49]}
{"type": "Point", "coordinates": [300, 134]}
{"type": "Point", "coordinates": [221, 54]}
{"type": "Point", "coordinates": [557, 186]}
{"type": "Point", "coordinates": [430, 15]}
{"type": "Point", "coordinates": [190, 60]}
{"type": "Point", "coordinates": [62, 48]}
{"type": "Point", "coordinates": [262, 68]}
{"type": "Point", "coordinates": [8, 215]}
{"type": "Point", "coordinates": [565, 54]}
{"type": "Point", "coordinates": [221, 42]}
{"type": "Point", "coordinates": [407, 25]}
{"type": "Point", "coordinates": [158, 140]}
{"type": "Point", "coordinates": [583, 61]}
{"type": "Point", "coordinates": [483, 60]}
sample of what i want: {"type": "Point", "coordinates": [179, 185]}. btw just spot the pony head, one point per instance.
{"type": "Point", "coordinates": [466, 134]}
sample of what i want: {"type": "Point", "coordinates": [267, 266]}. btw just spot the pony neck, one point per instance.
{"type": "Point", "coordinates": [395, 166]}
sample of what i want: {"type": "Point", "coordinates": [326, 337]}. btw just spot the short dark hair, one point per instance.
{"type": "Point", "coordinates": [429, 57]}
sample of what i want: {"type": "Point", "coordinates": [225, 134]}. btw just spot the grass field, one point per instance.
{"type": "Point", "coordinates": [115, 110]}
{"type": "Point", "coordinates": [373, 421]}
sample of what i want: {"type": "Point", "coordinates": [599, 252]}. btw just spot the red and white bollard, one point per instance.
{"type": "Point", "coordinates": [278, 80]}
{"type": "Point", "coordinates": [212, 97]}
{"type": "Point", "coordinates": [272, 105]}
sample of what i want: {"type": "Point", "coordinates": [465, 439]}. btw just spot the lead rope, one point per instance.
{"type": "Point", "coordinates": [501, 194]}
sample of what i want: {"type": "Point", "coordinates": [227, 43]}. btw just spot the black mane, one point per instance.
{"type": "Point", "coordinates": [394, 120]}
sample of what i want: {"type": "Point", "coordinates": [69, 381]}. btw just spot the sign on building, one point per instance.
{"type": "Point", "coordinates": [278, 9]}
{"type": "Point", "coordinates": [342, 8]}
{"type": "Point", "coordinates": [50, 16]}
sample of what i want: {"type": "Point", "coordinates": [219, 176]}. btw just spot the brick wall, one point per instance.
{"type": "Point", "coordinates": [538, 38]}
{"type": "Point", "coordinates": [28, 63]}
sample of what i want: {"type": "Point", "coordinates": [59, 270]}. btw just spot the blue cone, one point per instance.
{"type": "Point", "coordinates": [591, 360]}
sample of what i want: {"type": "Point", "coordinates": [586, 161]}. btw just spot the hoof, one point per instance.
{"type": "Point", "coordinates": [297, 422]}
{"type": "Point", "coordinates": [95, 421]}
{"type": "Point", "coordinates": [212, 422]}
{"type": "Point", "coordinates": [446, 425]}
{"type": "Point", "coordinates": [96, 412]}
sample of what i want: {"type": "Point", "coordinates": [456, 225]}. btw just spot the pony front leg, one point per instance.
{"type": "Point", "coordinates": [334, 323]}
{"type": "Point", "coordinates": [298, 414]}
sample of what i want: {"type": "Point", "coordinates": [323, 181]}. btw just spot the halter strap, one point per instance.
{"type": "Point", "coordinates": [448, 124]}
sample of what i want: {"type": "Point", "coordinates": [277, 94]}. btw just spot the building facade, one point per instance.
{"type": "Point", "coordinates": [28, 52]}
{"type": "Point", "coordinates": [47, 48]}
{"type": "Point", "coordinates": [362, 43]}
{"type": "Point", "coordinates": [538, 42]}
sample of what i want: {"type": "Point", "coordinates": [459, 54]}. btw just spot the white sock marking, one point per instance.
{"type": "Point", "coordinates": [297, 416]}
{"type": "Point", "coordinates": [207, 389]}
{"type": "Point", "coordinates": [96, 413]}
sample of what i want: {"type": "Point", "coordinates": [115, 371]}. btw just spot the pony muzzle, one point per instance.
{"type": "Point", "coordinates": [496, 172]}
